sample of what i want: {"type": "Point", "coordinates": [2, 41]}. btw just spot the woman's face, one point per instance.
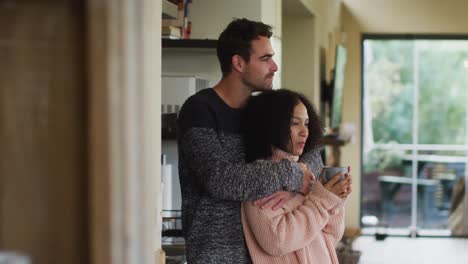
{"type": "Point", "coordinates": [299, 129]}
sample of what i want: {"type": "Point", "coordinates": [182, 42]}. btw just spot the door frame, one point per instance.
{"type": "Point", "coordinates": [124, 63]}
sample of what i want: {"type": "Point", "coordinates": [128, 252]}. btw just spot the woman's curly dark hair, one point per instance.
{"type": "Point", "coordinates": [266, 122]}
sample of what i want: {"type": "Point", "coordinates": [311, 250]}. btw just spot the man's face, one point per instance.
{"type": "Point", "coordinates": [260, 70]}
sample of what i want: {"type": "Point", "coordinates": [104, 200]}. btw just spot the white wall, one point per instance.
{"type": "Point", "coordinates": [271, 14]}
{"type": "Point", "coordinates": [381, 16]}
{"type": "Point", "coordinates": [304, 35]}
{"type": "Point", "coordinates": [201, 63]}
{"type": "Point", "coordinates": [300, 62]}
{"type": "Point", "coordinates": [210, 17]}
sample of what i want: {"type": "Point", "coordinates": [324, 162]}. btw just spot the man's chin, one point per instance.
{"type": "Point", "coordinates": [267, 87]}
{"type": "Point", "coordinates": [262, 89]}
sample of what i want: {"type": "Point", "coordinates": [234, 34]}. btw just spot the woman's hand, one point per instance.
{"type": "Point", "coordinates": [341, 188]}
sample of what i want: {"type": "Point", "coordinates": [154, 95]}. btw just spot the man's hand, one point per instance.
{"type": "Point", "coordinates": [308, 178]}
{"type": "Point", "coordinates": [279, 198]}
{"type": "Point", "coordinates": [275, 200]}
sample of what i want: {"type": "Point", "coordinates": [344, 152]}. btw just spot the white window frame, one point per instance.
{"type": "Point", "coordinates": [415, 147]}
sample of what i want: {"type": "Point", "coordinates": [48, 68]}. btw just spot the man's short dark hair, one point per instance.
{"type": "Point", "coordinates": [266, 122]}
{"type": "Point", "coordinates": [237, 38]}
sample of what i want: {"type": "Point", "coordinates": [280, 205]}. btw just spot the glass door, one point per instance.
{"type": "Point", "coordinates": [415, 123]}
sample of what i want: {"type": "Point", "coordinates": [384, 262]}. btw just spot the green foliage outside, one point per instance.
{"type": "Point", "coordinates": [390, 81]}
{"type": "Point", "coordinates": [379, 160]}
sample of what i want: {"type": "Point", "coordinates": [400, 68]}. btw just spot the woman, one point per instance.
{"type": "Point", "coordinates": [282, 124]}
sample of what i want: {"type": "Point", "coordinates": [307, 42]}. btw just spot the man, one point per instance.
{"type": "Point", "coordinates": [213, 175]}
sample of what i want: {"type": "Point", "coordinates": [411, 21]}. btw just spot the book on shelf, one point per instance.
{"type": "Point", "coordinates": [179, 21]}
{"type": "Point", "coordinates": [170, 37]}
{"type": "Point", "coordinates": [172, 32]}
{"type": "Point", "coordinates": [175, 22]}
{"type": "Point", "coordinates": [187, 27]}
{"type": "Point", "coordinates": [182, 21]}
{"type": "Point", "coordinates": [186, 30]}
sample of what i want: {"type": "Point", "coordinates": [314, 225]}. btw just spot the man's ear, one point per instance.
{"type": "Point", "coordinates": [238, 63]}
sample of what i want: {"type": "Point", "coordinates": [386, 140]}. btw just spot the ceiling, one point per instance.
{"type": "Point", "coordinates": [294, 8]}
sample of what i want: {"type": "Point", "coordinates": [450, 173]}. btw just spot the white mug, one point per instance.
{"type": "Point", "coordinates": [328, 173]}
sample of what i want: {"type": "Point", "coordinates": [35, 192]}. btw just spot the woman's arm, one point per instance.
{"type": "Point", "coordinates": [335, 227]}
{"type": "Point", "coordinates": [289, 229]}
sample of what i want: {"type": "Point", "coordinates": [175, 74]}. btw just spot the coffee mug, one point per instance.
{"type": "Point", "coordinates": [328, 173]}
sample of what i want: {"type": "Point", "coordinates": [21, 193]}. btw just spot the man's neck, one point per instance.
{"type": "Point", "coordinates": [232, 92]}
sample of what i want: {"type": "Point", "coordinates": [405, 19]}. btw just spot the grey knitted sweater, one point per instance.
{"type": "Point", "coordinates": [214, 179]}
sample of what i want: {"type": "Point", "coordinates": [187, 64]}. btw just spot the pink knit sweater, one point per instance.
{"type": "Point", "coordinates": [305, 230]}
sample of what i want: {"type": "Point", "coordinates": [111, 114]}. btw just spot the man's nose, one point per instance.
{"type": "Point", "coordinates": [274, 67]}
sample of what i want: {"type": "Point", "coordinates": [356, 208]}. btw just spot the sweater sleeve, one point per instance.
{"type": "Point", "coordinates": [287, 230]}
{"type": "Point", "coordinates": [313, 160]}
{"type": "Point", "coordinates": [335, 227]}
{"type": "Point", "coordinates": [205, 156]}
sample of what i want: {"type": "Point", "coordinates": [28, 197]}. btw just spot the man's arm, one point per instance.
{"type": "Point", "coordinates": [313, 160]}
{"type": "Point", "coordinates": [205, 156]}
{"type": "Point", "coordinates": [279, 198]}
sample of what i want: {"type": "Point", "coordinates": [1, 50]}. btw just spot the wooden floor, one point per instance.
{"type": "Point", "coordinates": [401, 250]}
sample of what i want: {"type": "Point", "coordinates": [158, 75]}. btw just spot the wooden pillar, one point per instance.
{"type": "Point", "coordinates": [43, 170]}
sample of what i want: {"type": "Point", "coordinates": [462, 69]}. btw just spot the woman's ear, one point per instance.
{"type": "Point", "coordinates": [238, 63]}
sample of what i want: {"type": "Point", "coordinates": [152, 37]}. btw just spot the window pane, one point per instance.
{"type": "Point", "coordinates": [440, 174]}
{"type": "Point", "coordinates": [388, 90]}
{"type": "Point", "coordinates": [383, 194]}
{"type": "Point", "coordinates": [415, 100]}
{"type": "Point", "coordinates": [443, 91]}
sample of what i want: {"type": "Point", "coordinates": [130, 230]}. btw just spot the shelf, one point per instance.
{"type": "Point", "coordinates": [189, 43]}
{"type": "Point", "coordinates": [169, 10]}
{"type": "Point", "coordinates": [334, 140]}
